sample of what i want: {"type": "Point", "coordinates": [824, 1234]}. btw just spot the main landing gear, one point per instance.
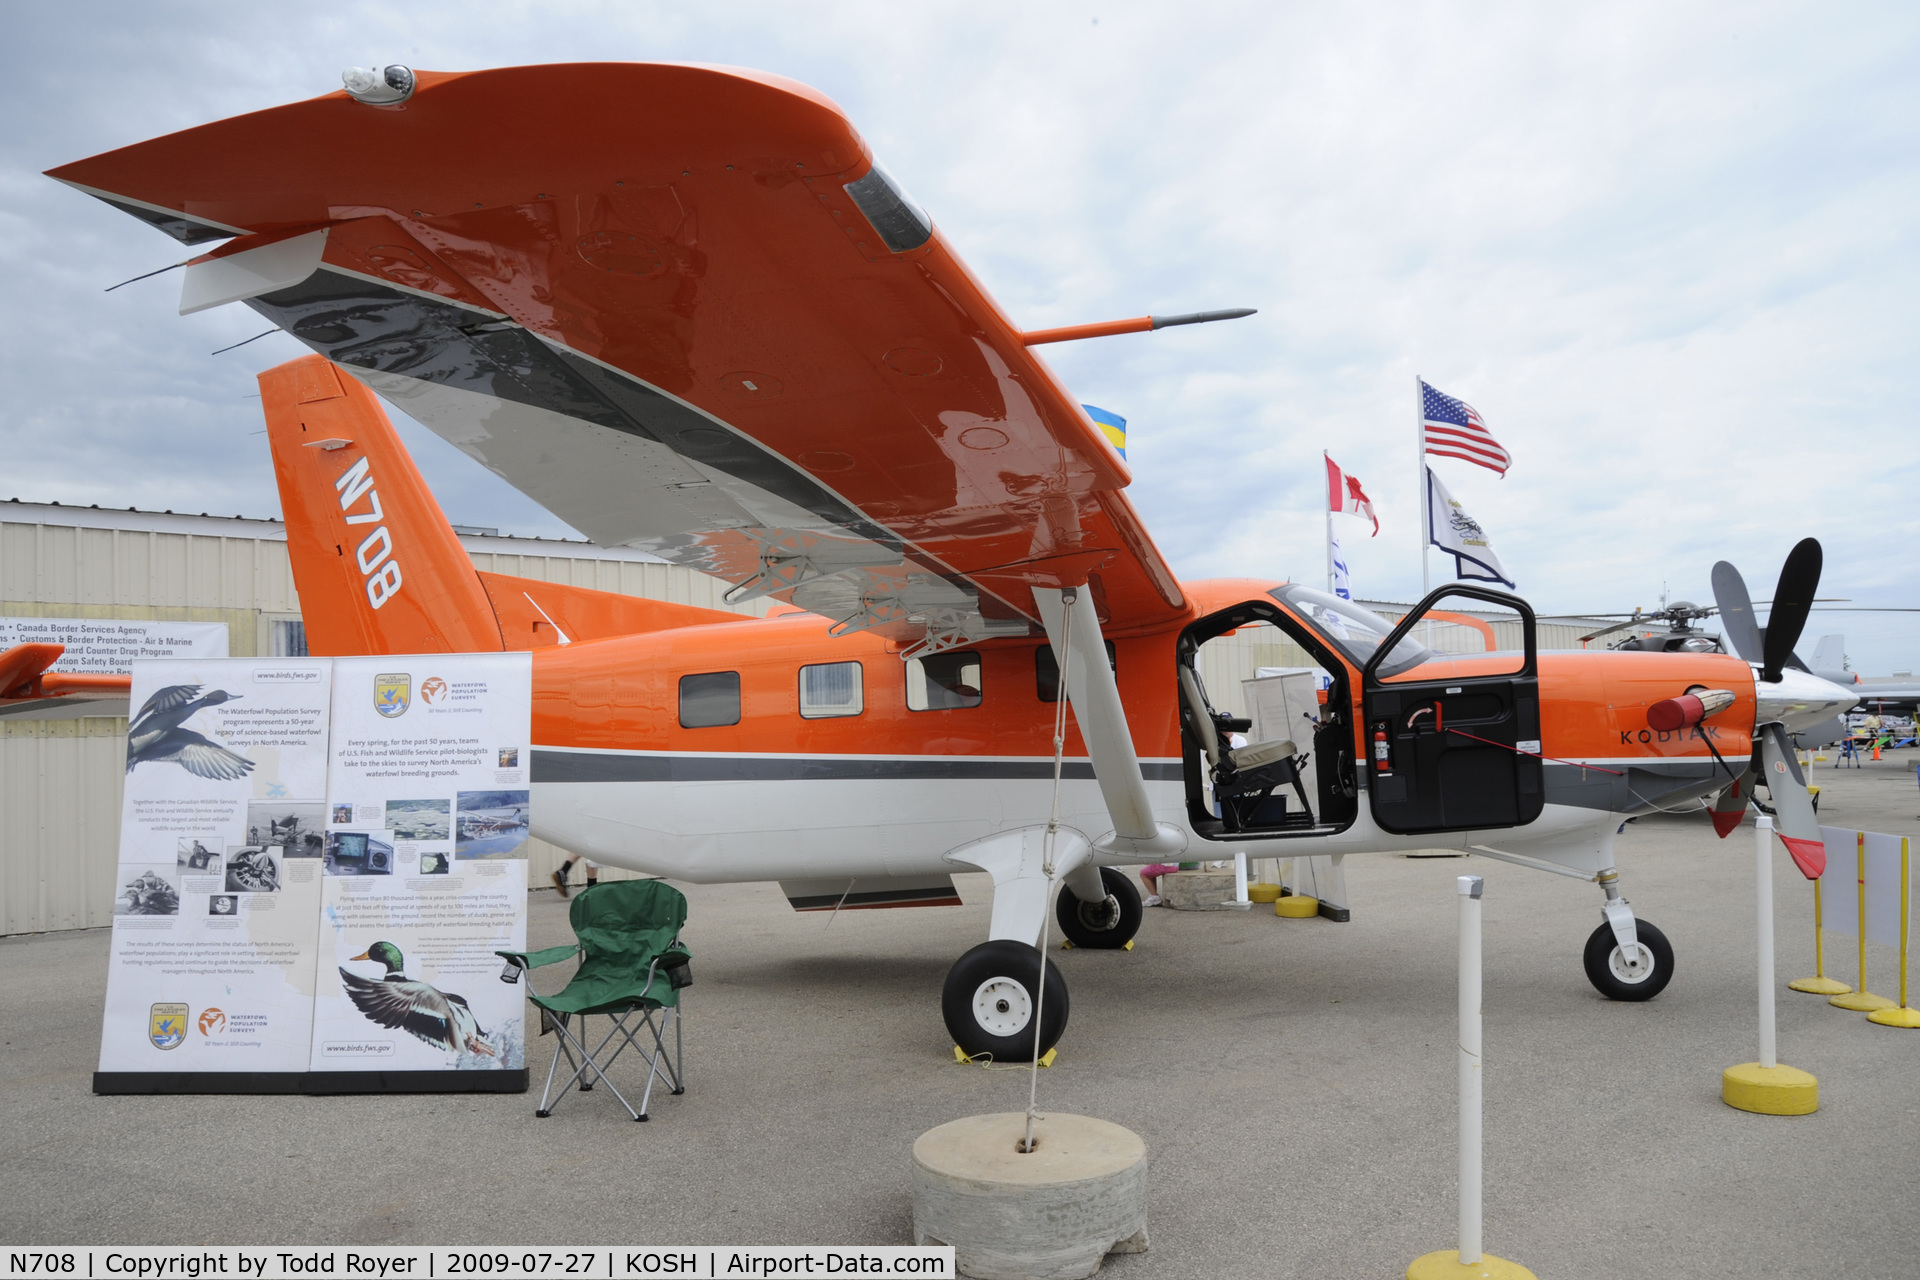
{"type": "Point", "coordinates": [1626, 958]}
{"type": "Point", "coordinates": [992, 1002]}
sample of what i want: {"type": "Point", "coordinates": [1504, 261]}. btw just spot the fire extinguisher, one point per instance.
{"type": "Point", "coordinates": [1382, 765]}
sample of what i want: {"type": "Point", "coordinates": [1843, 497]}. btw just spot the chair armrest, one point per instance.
{"type": "Point", "coordinates": [536, 959]}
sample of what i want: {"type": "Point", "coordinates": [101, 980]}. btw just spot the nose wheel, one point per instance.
{"type": "Point", "coordinates": [990, 1005]}
{"type": "Point", "coordinates": [1618, 976]}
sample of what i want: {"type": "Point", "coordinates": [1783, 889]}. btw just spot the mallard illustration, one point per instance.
{"type": "Point", "coordinates": [156, 735]}
{"type": "Point", "coordinates": [438, 1017]}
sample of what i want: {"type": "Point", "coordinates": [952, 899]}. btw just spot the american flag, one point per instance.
{"type": "Point", "coordinates": [1454, 430]}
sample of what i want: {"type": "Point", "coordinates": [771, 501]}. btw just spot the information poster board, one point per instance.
{"type": "Point", "coordinates": [425, 864]}
{"type": "Point", "coordinates": [318, 860]}
{"type": "Point", "coordinates": [217, 898]}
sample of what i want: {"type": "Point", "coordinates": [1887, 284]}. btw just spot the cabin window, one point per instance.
{"type": "Point", "coordinates": [944, 682]}
{"type": "Point", "coordinates": [1046, 672]}
{"type": "Point", "coordinates": [831, 689]}
{"type": "Point", "coordinates": [709, 699]}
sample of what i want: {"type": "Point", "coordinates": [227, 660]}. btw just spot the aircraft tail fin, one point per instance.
{"type": "Point", "coordinates": [1830, 654]}
{"type": "Point", "coordinates": [377, 566]}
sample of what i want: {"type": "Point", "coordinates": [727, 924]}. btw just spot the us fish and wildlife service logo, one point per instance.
{"type": "Point", "coordinates": [212, 1022]}
{"type": "Point", "coordinates": [167, 1025]}
{"type": "Point", "coordinates": [392, 694]}
{"type": "Point", "coordinates": [433, 689]}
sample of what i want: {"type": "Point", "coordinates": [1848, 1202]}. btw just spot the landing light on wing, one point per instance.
{"type": "Point", "coordinates": [376, 87]}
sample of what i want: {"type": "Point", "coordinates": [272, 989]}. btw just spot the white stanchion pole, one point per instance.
{"type": "Point", "coordinates": [1468, 1261]}
{"type": "Point", "coordinates": [1767, 1087]}
{"type": "Point", "coordinates": [1240, 876]}
{"type": "Point", "coordinates": [1470, 1097]}
{"type": "Point", "coordinates": [1763, 899]}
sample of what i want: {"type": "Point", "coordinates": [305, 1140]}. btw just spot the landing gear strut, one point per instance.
{"type": "Point", "coordinates": [989, 1002]}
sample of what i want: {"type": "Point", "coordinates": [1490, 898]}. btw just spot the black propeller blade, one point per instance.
{"type": "Point", "coordinates": [1792, 601]}
{"type": "Point", "coordinates": [1736, 611]}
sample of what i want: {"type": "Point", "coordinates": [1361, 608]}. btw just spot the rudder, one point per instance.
{"type": "Point", "coordinates": [377, 566]}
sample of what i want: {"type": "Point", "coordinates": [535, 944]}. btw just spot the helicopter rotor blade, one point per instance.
{"type": "Point", "coordinates": [1736, 611]}
{"type": "Point", "coordinates": [1607, 631]}
{"type": "Point", "coordinates": [1792, 600]}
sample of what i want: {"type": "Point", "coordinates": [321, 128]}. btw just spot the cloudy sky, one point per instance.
{"type": "Point", "coordinates": [1667, 250]}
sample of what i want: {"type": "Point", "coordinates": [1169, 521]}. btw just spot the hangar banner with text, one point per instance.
{"type": "Point", "coordinates": [318, 859]}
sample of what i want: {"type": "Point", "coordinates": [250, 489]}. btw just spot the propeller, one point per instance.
{"type": "Point", "coordinates": [1792, 600]}
{"type": "Point", "coordinates": [1773, 761]}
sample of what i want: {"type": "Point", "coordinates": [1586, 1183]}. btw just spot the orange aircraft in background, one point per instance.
{"type": "Point", "coordinates": [684, 309]}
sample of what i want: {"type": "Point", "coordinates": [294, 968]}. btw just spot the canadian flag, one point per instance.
{"type": "Point", "coordinates": [1345, 496]}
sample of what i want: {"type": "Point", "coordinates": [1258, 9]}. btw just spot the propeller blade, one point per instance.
{"type": "Point", "coordinates": [1736, 611]}
{"type": "Point", "coordinates": [1794, 818]}
{"type": "Point", "coordinates": [1731, 806]}
{"type": "Point", "coordinates": [1799, 579]}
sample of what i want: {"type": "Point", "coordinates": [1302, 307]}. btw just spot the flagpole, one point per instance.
{"type": "Point", "coordinates": [1328, 463]}
{"type": "Point", "coordinates": [1420, 465]}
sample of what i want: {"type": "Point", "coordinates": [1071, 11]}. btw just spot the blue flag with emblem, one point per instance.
{"type": "Point", "coordinates": [1112, 426]}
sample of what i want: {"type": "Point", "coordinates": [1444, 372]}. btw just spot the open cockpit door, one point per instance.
{"type": "Point", "coordinates": [1282, 769]}
{"type": "Point", "coordinates": [1453, 739]}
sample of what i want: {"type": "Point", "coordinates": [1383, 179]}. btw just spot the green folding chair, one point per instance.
{"type": "Point", "coordinates": [632, 967]}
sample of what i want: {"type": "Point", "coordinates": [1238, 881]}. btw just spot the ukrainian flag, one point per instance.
{"type": "Point", "coordinates": [1112, 426]}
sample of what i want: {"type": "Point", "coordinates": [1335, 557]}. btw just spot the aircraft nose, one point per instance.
{"type": "Point", "coordinates": [1799, 700]}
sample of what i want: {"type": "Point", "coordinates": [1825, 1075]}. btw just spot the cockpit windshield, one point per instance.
{"type": "Point", "coordinates": [1356, 632]}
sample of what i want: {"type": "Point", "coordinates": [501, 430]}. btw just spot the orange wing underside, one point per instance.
{"type": "Point", "coordinates": [645, 295]}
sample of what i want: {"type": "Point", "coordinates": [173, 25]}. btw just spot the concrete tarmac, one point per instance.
{"type": "Point", "coordinates": [1294, 1081]}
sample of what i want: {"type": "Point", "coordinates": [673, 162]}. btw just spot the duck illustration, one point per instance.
{"type": "Point", "coordinates": [438, 1017]}
{"type": "Point", "coordinates": [157, 735]}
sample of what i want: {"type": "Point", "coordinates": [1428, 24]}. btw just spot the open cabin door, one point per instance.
{"type": "Point", "coordinates": [1449, 754]}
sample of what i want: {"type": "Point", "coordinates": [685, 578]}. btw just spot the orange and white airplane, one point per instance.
{"type": "Point", "coordinates": [684, 309]}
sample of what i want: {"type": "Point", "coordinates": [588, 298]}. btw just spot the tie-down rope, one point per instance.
{"type": "Point", "coordinates": [1068, 599]}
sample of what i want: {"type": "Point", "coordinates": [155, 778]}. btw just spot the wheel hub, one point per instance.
{"type": "Point", "coordinates": [1002, 1007]}
{"type": "Point", "coordinates": [1636, 973]}
{"type": "Point", "coordinates": [1102, 915]}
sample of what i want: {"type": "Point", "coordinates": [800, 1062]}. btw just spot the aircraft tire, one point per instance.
{"type": "Point", "coordinates": [988, 1002]}
{"type": "Point", "coordinates": [1108, 924]}
{"type": "Point", "coordinates": [1607, 977]}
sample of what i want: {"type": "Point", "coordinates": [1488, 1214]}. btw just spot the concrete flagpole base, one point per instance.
{"type": "Point", "coordinates": [1054, 1214]}
{"type": "Point", "coordinates": [1446, 1265]}
{"type": "Point", "coordinates": [1770, 1091]}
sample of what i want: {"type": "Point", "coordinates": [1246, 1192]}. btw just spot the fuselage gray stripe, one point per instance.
{"type": "Point", "coordinates": [582, 766]}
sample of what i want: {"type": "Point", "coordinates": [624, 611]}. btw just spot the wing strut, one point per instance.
{"type": "Point", "coordinates": [1103, 725]}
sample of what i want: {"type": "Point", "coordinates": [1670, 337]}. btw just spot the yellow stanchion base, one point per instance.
{"type": "Point", "coordinates": [1446, 1265]}
{"type": "Point", "coordinates": [1770, 1091]}
{"type": "Point", "coordinates": [1263, 893]}
{"type": "Point", "coordinates": [1896, 1017]}
{"type": "Point", "coordinates": [1297, 908]}
{"type": "Point", "coordinates": [1820, 986]}
{"type": "Point", "coordinates": [1861, 1002]}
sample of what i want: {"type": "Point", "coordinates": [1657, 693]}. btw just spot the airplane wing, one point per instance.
{"type": "Point", "coordinates": [683, 309]}
{"type": "Point", "coordinates": [29, 688]}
